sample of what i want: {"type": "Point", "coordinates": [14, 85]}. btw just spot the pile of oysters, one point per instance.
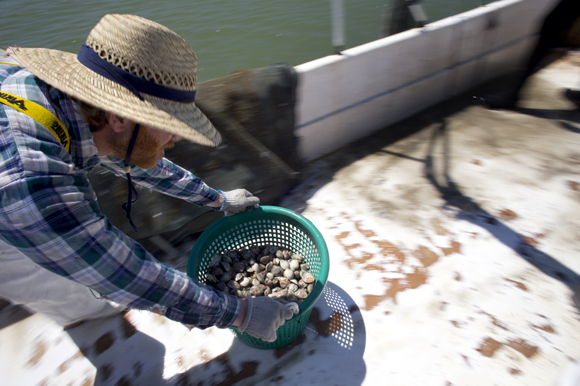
{"type": "Point", "coordinates": [261, 270]}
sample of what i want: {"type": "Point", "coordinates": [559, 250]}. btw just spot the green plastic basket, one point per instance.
{"type": "Point", "coordinates": [266, 225]}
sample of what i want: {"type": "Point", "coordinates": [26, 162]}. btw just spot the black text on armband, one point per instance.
{"type": "Point", "coordinates": [13, 100]}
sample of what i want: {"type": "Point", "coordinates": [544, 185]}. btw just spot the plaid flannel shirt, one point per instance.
{"type": "Point", "coordinates": [49, 211]}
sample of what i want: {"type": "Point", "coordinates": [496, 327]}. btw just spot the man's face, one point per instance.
{"type": "Point", "coordinates": [149, 146]}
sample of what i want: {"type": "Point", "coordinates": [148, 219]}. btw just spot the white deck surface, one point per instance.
{"type": "Point", "coordinates": [457, 277]}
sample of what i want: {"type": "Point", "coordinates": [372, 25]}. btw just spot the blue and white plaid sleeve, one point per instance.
{"type": "Point", "coordinates": [168, 178]}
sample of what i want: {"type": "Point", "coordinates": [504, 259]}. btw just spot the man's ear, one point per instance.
{"type": "Point", "coordinates": [119, 124]}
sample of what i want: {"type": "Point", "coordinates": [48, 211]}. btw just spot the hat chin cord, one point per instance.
{"type": "Point", "coordinates": [130, 188]}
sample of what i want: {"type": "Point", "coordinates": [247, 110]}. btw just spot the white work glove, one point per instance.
{"type": "Point", "coordinates": [238, 200]}
{"type": "Point", "coordinates": [264, 316]}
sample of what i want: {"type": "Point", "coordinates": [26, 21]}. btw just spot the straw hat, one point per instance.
{"type": "Point", "coordinates": [139, 47]}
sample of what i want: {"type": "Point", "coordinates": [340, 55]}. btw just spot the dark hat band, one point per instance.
{"type": "Point", "coordinates": [137, 85]}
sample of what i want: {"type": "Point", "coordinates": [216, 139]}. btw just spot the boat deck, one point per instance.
{"type": "Point", "coordinates": [454, 250]}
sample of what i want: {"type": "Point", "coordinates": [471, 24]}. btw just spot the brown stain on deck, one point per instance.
{"type": "Point", "coordinates": [104, 342]}
{"type": "Point", "coordinates": [454, 248]}
{"type": "Point", "coordinates": [427, 256]}
{"type": "Point", "coordinates": [545, 327]}
{"type": "Point", "coordinates": [38, 352]}
{"type": "Point", "coordinates": [495, 321]}
{"type": "Point", "coordinates": [104, 372]}
{"type": "Point", "coordinates": [67, 364]}
{"type": "Point", "coordinates": [388, 248]}
{"type": "Point", "coordinates": [280, 351]}
{"type": "Point", "coordinates": [374, 267]}
{"type": "Point", "coordinates": [575, 186]}
{"type": "Point", "coordinates": [124, 381]}
{"type": "Point", "coordinates": [529, 240]}
{"type": "Point", "coordinates": [413, 280]}
{"type": "Point", "coordinates": [231, 376]}
{"type": "Point", "coordinates": [439, 229]}
{"type": "Point", "coordinates": [489, 346]}
{"type": "Point", "coordinates": [128, 328]}
{"type": "Point", "coordinates": [520, 345]}
{"type": "Point", "coordinates": [518, 284]}
{"type": "Point", "coordinates": [326, 327]}
{"type": "Point", "coordinates": [507, 215]}
{"type": "Point", "coordinates": [222, 362]}
{"type": "Point", "coordinates": [137, 369]}
{"type": "Point", "coordinates": [410, 280]}
{"type": "Point", "coordinates": [89, 381]}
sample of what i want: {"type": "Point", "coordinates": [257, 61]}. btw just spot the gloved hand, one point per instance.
{"type": "Point", "coordinates": [264, 316]}
{"type": "Point", "coordinates": [238, 200]}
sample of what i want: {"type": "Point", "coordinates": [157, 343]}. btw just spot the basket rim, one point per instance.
{"type": "Point", "coordinates": [208, 235]}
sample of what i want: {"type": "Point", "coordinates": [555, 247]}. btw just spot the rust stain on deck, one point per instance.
{"type": "Point", "coordinates": [280, 351]}
{"type": "Point", "coordinates": [38, 351]}
{"type": "Point", "coordinates": [104, 343]}
{"type": "Point", "coordinates": [128, 328]}
{"type": "Point", "coordinates": [67, 364]}
{"type": "Point", "coordinates": [138, 369]}
{"type": "Point", "coordinates": [104, 372]}
{"type": "Point", "coordinates": [326, 327]}
{"type": "Point", "coordinates": [454, 248]}
{"type": "Point", "coordinates": [374, 267]}
{"type": "Point", "coordinates": [525, 348]}
{"type": "Point", "coordinates": [231, 376]}
{"type": "Point", "coordinates": [371, 301]}
{"type": "Point", "coordinates": [426, 256]}
{"type": "Point", "coordinates": [488, 347]}
{"type": "Point", "coordinates": [410, 277]}
{"type": "Point", "coordinates": [507, 215]}
{"type": "Point", "coordinates": [439, 229]}
{"type": "Point", "coordinates": [518, 284]}
{"type": "Point", "coordinates": [529, 240]}
{"type": "Point", "coordinates": [411, 281]}
{"type": "Point", "coordinates": [88, 382]}
{"type": "Point", "coordinates": [575, 186]}
{"type": "Point", "coordinates": [365, 232]}
{"type": "Point", "coordinates": [495, 321]}
{"type": "Point", "coordinates": [545, 327]}
{"type": "Point", "coordinates": [466, 359]}
{"type": "Point", "coordinates": [124, 381]}
{"type": "Point", "coordinates": [388, 248]}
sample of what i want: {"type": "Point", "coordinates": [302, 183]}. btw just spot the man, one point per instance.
{"type": "Point", "coordinates": [134, 81]}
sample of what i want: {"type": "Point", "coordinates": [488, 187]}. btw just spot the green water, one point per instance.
{"type": "Point", "coordinates": [227, 35]}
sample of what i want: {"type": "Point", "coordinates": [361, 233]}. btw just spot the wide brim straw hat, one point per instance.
{"type": "Point", "coordinates": [141, 48]}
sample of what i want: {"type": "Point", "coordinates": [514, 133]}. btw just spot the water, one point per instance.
{"type": "Point", "coordinates": [227, 35]}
